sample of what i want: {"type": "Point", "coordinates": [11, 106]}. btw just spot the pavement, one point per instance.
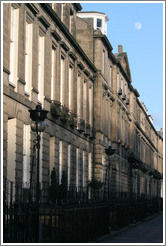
{"type": "Point", "coordinates": [148, 231]}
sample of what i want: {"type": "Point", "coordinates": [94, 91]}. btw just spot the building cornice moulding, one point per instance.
{"type": "Point", "coordinates": [68, 35]}
{"type": "Point", "coordinates": [33, 8]}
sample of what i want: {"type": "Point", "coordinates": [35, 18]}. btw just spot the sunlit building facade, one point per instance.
{"type": "Point", "coordinates": [59, 57]}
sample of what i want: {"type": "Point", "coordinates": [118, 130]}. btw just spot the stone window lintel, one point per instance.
{"type": "Point", "coordinates": [44, 21]}
{"type": "Point", "coordinates": [16, 5]}
{"type": "Point", "coordinates": [72, 55]}
{"type": "Point", "coordinates": [64, 46]}
{"type": "Point", "coordinates": [55, 35]}
{"type": "Point", "coordinates": [86, 72]}
{"type": "Point", "coordinates": [33, 8]}
{"type": "Point", "coordinates": [81, 66]}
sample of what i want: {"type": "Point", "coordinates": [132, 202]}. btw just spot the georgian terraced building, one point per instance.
{"type": "Point", "coordinates": [59, 57]}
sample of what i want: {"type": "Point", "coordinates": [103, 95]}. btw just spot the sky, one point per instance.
{"type": "Point", "coordinates": [138, 27]}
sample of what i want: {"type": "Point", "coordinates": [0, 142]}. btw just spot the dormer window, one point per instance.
{"type": "Point", "coordinates": [99, 20]}
{"type": "Point", "coordinates": [99, 23]}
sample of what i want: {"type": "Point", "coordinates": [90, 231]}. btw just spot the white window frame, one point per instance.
{"type": "Point", "coordinates": [11, 149]}
{"type": "Point", "coordinates": [103, 166]}
{"type": "Point", "coordinates": [41, 50]}
{"type": "Point", "coordinates": [26, 156]}
{"type": "Point", "coordinates": [62, 10]}
{"type": "Point", "coordinates": [79, 95]}
{"type": "Point", "coordinates": [110, 76]}
{"type": "Point", "coordinates": [70, 87]}
{"type": "Point", "coordinates": [118, 81]}
{"type": "Point", "coordinates": [70, 21]}
{"type": "Point", "coordinates": [28, 57]}
{"type": "Point", "coordinates": [62, 79]}
{"type": "Point", "coordinates": [53, 6]}
{"type": "Point", "coordinates": [103, 61]}
{"type": "Point", "coordinates": [11, 155]}
{"type": "Point", "coordinates": [91, 105]}
{"type": "Point", "coordinates": [85, 101]}
{"type": "Point", "coordinates": [122, 84]}
{"type": "Point", "coordinates": [52, 73]}
{"type": "Point", "coordinates": [14, 32]}
{"type": "Point", "coordinates": [90, 166]}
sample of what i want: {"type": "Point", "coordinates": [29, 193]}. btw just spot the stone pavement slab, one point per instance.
{"type": "Point", "coordinates": [148, 231]}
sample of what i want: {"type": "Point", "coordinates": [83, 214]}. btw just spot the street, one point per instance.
{"type": "Point", "coordinates": [150, 231]}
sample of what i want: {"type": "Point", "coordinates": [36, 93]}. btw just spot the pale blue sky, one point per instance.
{"type": "Point", "coordinates": [138, 27]}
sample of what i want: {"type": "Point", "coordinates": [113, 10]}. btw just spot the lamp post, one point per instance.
{"type": "Point", "coordinates": [109, 152]}
{"type": "Point", "coordinates": [38, 125]}
{"type": "Point", "coordinates": [134, 167]}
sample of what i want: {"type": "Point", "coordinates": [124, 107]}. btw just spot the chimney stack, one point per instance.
{"type": "Point", "coordinates": [120, 49]}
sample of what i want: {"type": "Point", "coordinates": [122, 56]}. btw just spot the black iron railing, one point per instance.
{"type": "Point", "coordinates": [75, 216]}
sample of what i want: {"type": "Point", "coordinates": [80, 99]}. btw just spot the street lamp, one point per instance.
{"type": "Point", "coordinates": [38, 125]}
{"type": "Point", "coordinates": [109, 152]}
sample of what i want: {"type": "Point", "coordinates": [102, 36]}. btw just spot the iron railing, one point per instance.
{"type": "Point", "coordinates": [73, 216]}
{"type": "Point", "coordinates": [17, 192]}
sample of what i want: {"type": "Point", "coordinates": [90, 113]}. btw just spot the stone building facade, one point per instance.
{"type": "Point", "coordinates": [50, 69]}
{"type": "Point", "coordinates": [55, 57]}
{"type": "Point", "coordinates": [117, 115]}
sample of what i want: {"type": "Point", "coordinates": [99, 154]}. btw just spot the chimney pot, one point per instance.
{"type": "Point", "coordinates": [120, 48]}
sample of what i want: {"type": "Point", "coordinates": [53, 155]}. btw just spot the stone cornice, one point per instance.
{"type": "Point", "coordinates": [68, 35]}
{"type": "Point", "coordinates": [104, 39]}
{"type": "Point", "coordinates": [123, 72]}
{"type": "Point", "coordinates": [113, 57]}
{"type": "Point", "coordinates": [151, 125]}
{"type": "Point", "coordinates": [145, 135]}
{"type": "Point", "coordinates": [17, 97]}
{"type": "Point", "coordinates": [136, 93]}
{"type": "Point", "coordinates": [109, 46]}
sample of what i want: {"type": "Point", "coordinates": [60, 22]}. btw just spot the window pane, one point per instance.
{"type": "Point", "coordinates": [70, 86]}
{"type": "Point", "coordinates": [41, 69]}
{"type": "Point", "coordinates": [26, 155]}
{"type": "Point", "coordinates": [61, 80]}
{"type": "Point", "coordinates": [99, 23]}
{"type": "Point", "coordinates": [52, 74]}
